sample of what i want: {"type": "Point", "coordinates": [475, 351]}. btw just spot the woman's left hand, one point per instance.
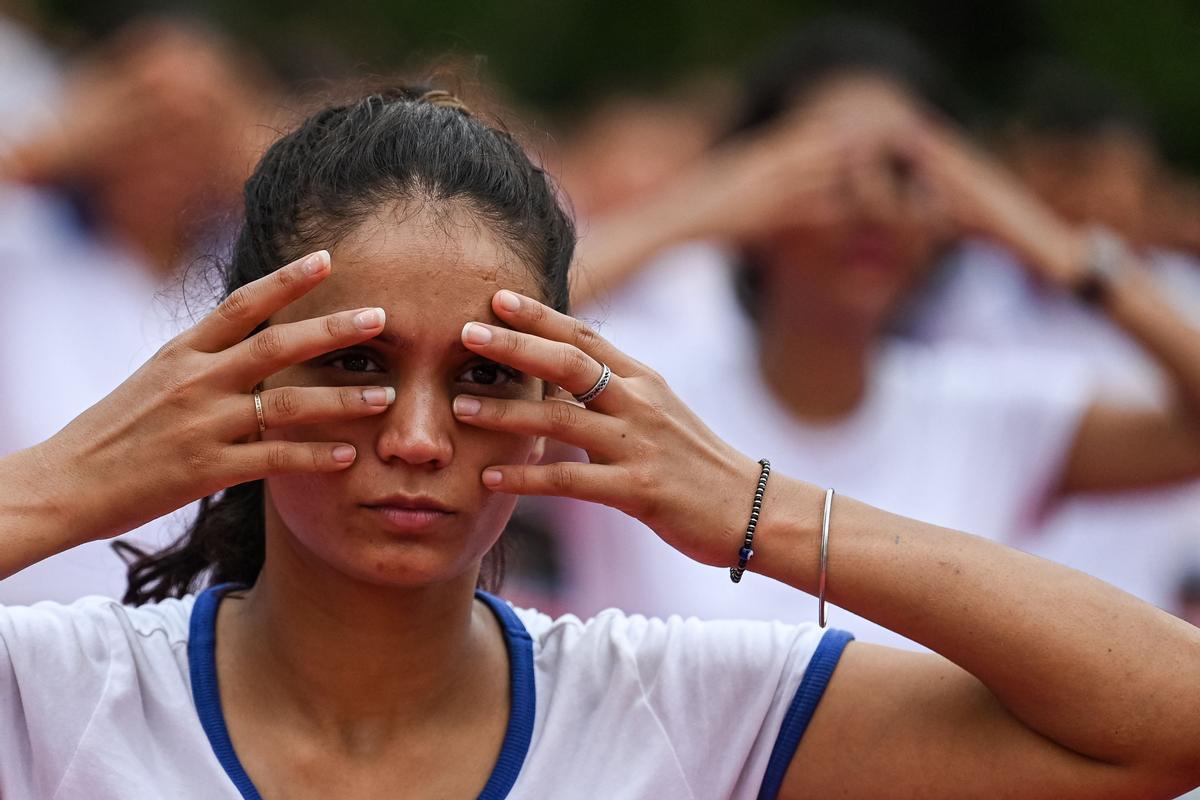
{"type": "Point", "coordinates": [650, 456]}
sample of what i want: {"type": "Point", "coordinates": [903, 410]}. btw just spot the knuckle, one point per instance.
{"type": "Point", "coordinates": [559, 416]}
{"type": "Point", "coordinates": [574, 361]}
{"type": "Point", "coordinates": [277, 457]}
{"type": "Point", "coordinates": [334, 327]}
{"type": "Point", "coordinates": [286, 278]}
{"type": "Point", "coordinates": [562, 477]}
{"type": "Point", "coordinates": [497, 412]}
{"type": "Point", "coordinates": [584, 336]}
{"type": "Point", "coordinates": [284, 405]}
{"type": "Point", "coordinates": [201, 461]}
{"type": "Point", "coordinates": [267, 345]}
{"type": "Point", "coordinates": [236, 306]}
{"type": "Point", "coordinates": [514, 344]}
{"type": "Point", "coordinates": [170, 352]}
{"type": "Point", "coordinates": [656, 380]}
{"type": "Point", "coordinates": [350, 399]}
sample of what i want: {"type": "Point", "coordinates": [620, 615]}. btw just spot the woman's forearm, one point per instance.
{"type": "Point", "coordinates": [38, 515]}
{"type": "Point", "coordinates": [1082, 663]}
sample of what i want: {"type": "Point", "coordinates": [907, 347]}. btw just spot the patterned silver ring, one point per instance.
{"type": "Point", "coordinates": [602, 384]}
{"type": "Point", "coordinates": [258, 412]}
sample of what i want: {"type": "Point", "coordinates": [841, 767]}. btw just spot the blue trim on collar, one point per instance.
{"type": "Point", "coordinates": [202, 666]}
{"type": "Point", "coordinates": [804, 704]}
{"type": "Point", "coordinates": [523, 700]}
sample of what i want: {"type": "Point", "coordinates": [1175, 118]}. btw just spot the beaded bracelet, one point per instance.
{"type": "Point", "coordinates": [735, 573]}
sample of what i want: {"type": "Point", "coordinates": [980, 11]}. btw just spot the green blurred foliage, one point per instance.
{"type": "Point", "coordinates": [559, 55]}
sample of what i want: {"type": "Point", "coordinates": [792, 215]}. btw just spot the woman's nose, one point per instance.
{"type": "Point", "coordinates": [416, 429]}
{"type": "Point", "coordinates": [872, 190]}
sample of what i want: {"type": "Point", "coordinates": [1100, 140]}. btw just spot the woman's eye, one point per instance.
{"type": "Point", "coordinates": [355, 362]}
{"type": "Point", "coordinates": [489, 374]}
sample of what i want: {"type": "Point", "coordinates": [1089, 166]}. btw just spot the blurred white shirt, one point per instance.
{"type": "Point", "coordinates": [1140, 541]}
{"type": "Point", "coordinates": [77, 316]}
{"type": "Point", "coordinates": [952, 436]}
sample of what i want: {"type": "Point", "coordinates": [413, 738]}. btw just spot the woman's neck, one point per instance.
{"type": "Point", "coordinates": [355, 662]}
{"type": "Point", "coordinates": [817, 372]}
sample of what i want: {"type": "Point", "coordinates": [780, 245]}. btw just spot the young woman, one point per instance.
{"type": "Point", "coordinates": [374, 408]}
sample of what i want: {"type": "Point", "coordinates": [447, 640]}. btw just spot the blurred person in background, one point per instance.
{"type": "Point", "coordinates": [133, 177]}
{"type": "Point", "coordinates": [1091, 155]}
{"type": "Point", "coordinates": [1175, 215]}
{"type": "Point", "coordinates": [626, 148]}
{"type": "Point", "coordinates": [834, 204]}
{"type": "Point", "coordinates": [32, 83]}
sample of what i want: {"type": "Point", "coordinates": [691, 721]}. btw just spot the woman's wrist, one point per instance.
{"type": "Point", "coordinates": [787, 542]}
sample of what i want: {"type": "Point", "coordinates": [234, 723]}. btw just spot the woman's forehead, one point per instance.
{"type": "Point", "coordinates": [432, 270]}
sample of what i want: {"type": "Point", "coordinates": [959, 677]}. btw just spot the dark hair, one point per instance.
{"type": "Point", "coordinates": [810, 57]}
{"type": "Point", "coordinates": [834, 46]}
{"type": "Point", "coordinates": [312, 188]}
{"type": "Point", "coordinates": [1054, 98]}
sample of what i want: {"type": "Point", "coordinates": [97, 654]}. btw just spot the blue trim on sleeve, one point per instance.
{"type": "Point", "coordinates": [202, 666]}
{"type": "Point", "coordinates": [812, 686]}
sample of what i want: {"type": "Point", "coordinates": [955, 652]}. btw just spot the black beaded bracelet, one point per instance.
{"type": "Point", "coordinates": [735, 573]}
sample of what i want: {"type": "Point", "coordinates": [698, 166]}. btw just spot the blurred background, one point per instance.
{"type": "Point", "coordinates": [127, 128]}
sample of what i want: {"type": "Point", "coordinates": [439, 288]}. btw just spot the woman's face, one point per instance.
{"type": "Point", "coordinates": [411, 510]}
{"type": "Point", "coordinates": [854, 266]}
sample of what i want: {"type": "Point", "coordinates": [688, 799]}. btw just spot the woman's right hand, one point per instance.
{"type": "Point", "coordinates": [185, 424]}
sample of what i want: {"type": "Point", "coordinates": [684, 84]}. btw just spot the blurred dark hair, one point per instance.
{"type": "Point", "coordinates": [833, 47]}
{"type": "Point", "coordinates": [1054, 98]}
{"type": "Point", "coordinates": [814, 55]}
{"type": "Point", "coordinates": [311, 189]}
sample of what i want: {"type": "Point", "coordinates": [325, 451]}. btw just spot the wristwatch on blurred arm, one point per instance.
{"type": "Point", "coordinates": [1105, 259]}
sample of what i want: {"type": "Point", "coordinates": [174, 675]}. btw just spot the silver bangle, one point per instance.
{"type": "Point", "coordinates": [821, 579]}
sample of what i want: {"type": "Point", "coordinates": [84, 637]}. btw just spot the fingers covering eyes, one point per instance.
{"type": "Point", "coordinates": [556, 419]}
{"type": "Point", "coordinates": [250, 305]}
{"type": "Point", "coordinates": [279, 346]}
{"type": "Point", "coordinates": [528, 315]}
{"type": "Point", "coordinates": [296, 405]}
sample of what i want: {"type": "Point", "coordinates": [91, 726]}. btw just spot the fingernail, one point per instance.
{"type": "Point", "coordinates": [343, 453]}
{"type": "Point", "coordinates": [370, 319]}
{"type": "Point", "coordinates": [316, 263]}
{"type": "Point", "coordinates": [476, 334]}
{"type": "Point", "coordinates": [379, 396]}
{"type": "Point", "coordinates": [466, 406]}
{"type": "Point", "coordinates": [492, 478]}
{"type": "Point", "coordinates": [508, 300]}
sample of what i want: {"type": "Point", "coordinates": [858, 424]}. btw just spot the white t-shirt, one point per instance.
{"type": "Point", "coordinates": [100, 701]}
{"type": "Point", "coordinates": [950, 436]}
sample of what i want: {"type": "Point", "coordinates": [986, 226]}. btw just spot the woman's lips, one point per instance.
{"type": "Point", "coordinates": [409, 519]}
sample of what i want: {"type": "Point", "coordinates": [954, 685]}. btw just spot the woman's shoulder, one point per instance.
{"type": "Point", "coordinates": [613, 638]}
{"type": "Point", "coordinates": [96, 624]}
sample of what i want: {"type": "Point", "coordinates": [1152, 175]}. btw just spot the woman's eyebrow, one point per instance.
{"type": "Point", "coordinates": [395, 341]}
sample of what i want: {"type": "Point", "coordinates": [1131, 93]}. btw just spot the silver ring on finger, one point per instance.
{"type": "Point", "coordinates": [258, 411]}
{"type": "Point", "coordinates": [598, 389]}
